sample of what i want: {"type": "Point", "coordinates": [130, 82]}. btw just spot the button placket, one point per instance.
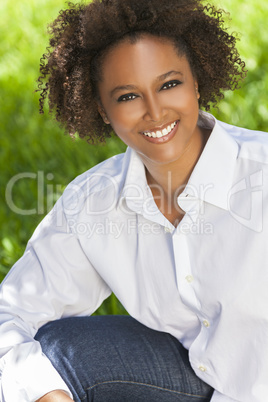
{"type": "Point", "coordinates": [206, 323]}
{"type": "Point", "coordinates": [202, 368]}
{"type": "Point", "coordinates": [184, 278]}
{"type": "Point", "coordinates": [167, 229]}
{"type": "Point", "coordinates": [189, 278]}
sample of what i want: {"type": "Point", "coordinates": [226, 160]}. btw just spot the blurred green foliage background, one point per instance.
{"type": "Point", "coordinates": [38, 160]}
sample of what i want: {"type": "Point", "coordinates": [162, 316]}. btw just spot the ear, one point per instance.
{"type": "Point", "coordinates": [103, 114]}
{"type": "Point", "coordinates": [196, 90]}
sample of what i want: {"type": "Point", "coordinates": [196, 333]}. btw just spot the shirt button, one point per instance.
{"type": "Point", "coordinates": [202, 368]}
{"type": "Point", "coordinates": [189, 278]}
{"type": "Point", "coordinates": [168, 230]}
{"type": "Point", "coordinates": [206, 323]}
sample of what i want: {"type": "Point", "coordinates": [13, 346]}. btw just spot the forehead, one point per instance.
{"type": "Point", "coordinates": [146, 49]}
{"type": "Point", "coordinates": [144, 57]}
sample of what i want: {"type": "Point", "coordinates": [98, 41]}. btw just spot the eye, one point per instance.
{"type": "Point", "coordinates": [127, 97]}
{"type": "Point", "coordinates": [171, 84]}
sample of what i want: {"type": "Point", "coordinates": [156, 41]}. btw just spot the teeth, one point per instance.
{"type": "Point", "coordinates": [159, 133]}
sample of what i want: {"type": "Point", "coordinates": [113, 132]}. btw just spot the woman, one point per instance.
{"type": "Point", "coordinates": [175, 227]}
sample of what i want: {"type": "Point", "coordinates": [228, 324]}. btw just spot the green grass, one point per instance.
{"type": "Point", "coordinates": [32, 143]}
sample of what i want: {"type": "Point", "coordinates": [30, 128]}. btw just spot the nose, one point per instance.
{"type": "Point", "coordinates": [154, 111]}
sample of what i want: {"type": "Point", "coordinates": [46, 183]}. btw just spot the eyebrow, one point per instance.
{"type": "Point", "coordinates": [161, 77]}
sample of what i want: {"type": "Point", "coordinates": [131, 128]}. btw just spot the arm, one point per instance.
{"type": "Point", "coordinates": [53, 279]}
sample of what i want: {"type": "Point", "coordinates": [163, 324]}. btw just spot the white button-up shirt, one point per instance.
{"type": "Point", "coordinates": [205, 281]}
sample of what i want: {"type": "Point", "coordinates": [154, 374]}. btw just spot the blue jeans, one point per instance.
{"type": "Point", "coordinates": [117, 359]}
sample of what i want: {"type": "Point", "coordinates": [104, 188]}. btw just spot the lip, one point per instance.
{"type": "Point", "coordinates": [163, 139]}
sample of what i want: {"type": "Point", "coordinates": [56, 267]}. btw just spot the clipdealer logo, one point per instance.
{"type": "Point", "coordinates": [245, 201]}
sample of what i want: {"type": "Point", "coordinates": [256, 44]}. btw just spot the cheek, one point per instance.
{"type": "Point", "coordinates": [125, 117]}
{"type": "Point", "coordinates": [183, 101]}
{"type": "Point", "coordinates": [126, 137]}
{"type": "Point", "coordinates": [131, 112]}
{"type": "Point", "coordinates": [121, 123]}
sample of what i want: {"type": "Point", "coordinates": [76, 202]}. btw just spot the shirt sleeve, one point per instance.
{"type": "Point", "coordinates": [52, 280]}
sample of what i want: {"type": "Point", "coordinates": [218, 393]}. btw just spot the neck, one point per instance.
{"type": "Point", "coordinates": [167, 181]}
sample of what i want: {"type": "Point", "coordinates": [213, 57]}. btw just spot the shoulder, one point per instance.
{"type": "Point", "coordinates": [252, 144]}
{"type": "Point", "coordinates": [103, 180]}
{"type": "Point", "coordinates": [113, 168]}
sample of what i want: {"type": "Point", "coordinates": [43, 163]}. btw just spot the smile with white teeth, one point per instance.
{"type": "Point", "coordinates": [160, 133]}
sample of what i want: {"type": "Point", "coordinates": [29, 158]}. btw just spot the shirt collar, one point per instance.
{"type": "Point", "coordinates": [212, 177]}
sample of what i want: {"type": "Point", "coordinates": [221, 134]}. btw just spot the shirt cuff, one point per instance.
{"type": "Point", "coordinates": [218, 397]}
{"type": "Point", "coordinates": [27, 375]}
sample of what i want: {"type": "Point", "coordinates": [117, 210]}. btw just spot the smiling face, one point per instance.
{"type": "Point", "coordinates": [150, 97]}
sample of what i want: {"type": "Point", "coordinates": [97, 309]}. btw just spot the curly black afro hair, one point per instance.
{"type": "Point", "coordinates": [83, 33]}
